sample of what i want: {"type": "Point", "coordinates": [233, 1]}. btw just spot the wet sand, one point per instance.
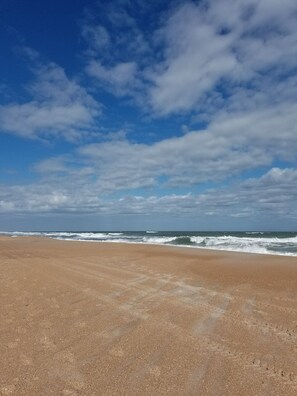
{"type": "Point", "coordinates": [111, 319]}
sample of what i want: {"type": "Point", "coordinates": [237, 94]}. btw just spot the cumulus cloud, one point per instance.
{"type": "Point", "coordinates": [215, 43]}
{"type": "Point", "coordinates": [196, 57]}
{"type": "Point", "coordinates": [222, 153]}
{"type": "Point", "coordinates": [232, 144]}
{"type": "Point", "coordinates": [117, 48]}
{"type": "Point", "coordinates": [229, 64]}
{"type": "Point", "coordinates": [59, 107]}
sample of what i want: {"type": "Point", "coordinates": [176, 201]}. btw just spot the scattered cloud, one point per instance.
{"type": "Point", "coordinates": [209, 44]}
{"type": "Point", "coordinates": [59, 107]}
{"type": "Point", "coordinates": [197, 58]}
{"type": "Point", "coordinates": [224, 70]}
{"type": "Point", "coordinates": [120, 79]}
{"type": "Point", "coordinates": [190, 67]}
{"type": "Point", "coordinates": [232, 144]}
{"type": "Point", "coordinates": [273, 192]}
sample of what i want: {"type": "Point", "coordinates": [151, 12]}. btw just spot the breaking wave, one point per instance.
{"type": "Point", "coordinates": [282, 243]}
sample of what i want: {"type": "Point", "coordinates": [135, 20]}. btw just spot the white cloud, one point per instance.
{"type": "Point", "coordinates": [53, 165]}
{"type": "Point", "coordinates": [232, 143]}
{"type": "Point", "coordinates": [271, 130]}
{"type": "Point", "coordinates": [198, 56]}
{"type": "Point", "coordinates": [221, 42]}
{"type": "Point", "coordinates": [229, 63]}
{"type": "Point", "coordinates": [59, 108]}
{"type": "Point", "coordinates": [120, 79]}
{"type": "Point", "coordinates": [272, 194]}
{"type": "Point", "coordinates": [195, 59]}
{"type": "Point", "coordinates": [117, 48]}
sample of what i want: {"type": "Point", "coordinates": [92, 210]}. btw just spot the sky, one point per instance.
{"type": "Point", "coordinates": [148, 115]}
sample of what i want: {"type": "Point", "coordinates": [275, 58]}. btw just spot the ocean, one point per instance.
{"type": "Point", "coordinates": [277, 243]}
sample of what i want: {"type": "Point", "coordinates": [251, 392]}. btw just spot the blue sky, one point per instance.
{"type": "Point", "coordinates": [148, 115]}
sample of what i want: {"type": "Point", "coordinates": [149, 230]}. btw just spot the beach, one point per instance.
{"type": "Point", "coordinates": [83, 318]}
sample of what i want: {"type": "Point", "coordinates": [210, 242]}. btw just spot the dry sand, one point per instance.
{"type": "Point", "coordinates": [111, 319]}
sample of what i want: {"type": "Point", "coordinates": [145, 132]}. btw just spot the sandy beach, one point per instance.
{"type": "Point", "coordinates": [82, 318]}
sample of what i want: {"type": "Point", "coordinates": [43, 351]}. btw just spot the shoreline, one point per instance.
{"type": "Point", "coordinates": [155, 244]}
{"type": "Point", "coordinates": [123, 319]}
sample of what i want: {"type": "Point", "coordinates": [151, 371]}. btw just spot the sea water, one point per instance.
{"type": "Point", "coordinates": [280, 243]}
